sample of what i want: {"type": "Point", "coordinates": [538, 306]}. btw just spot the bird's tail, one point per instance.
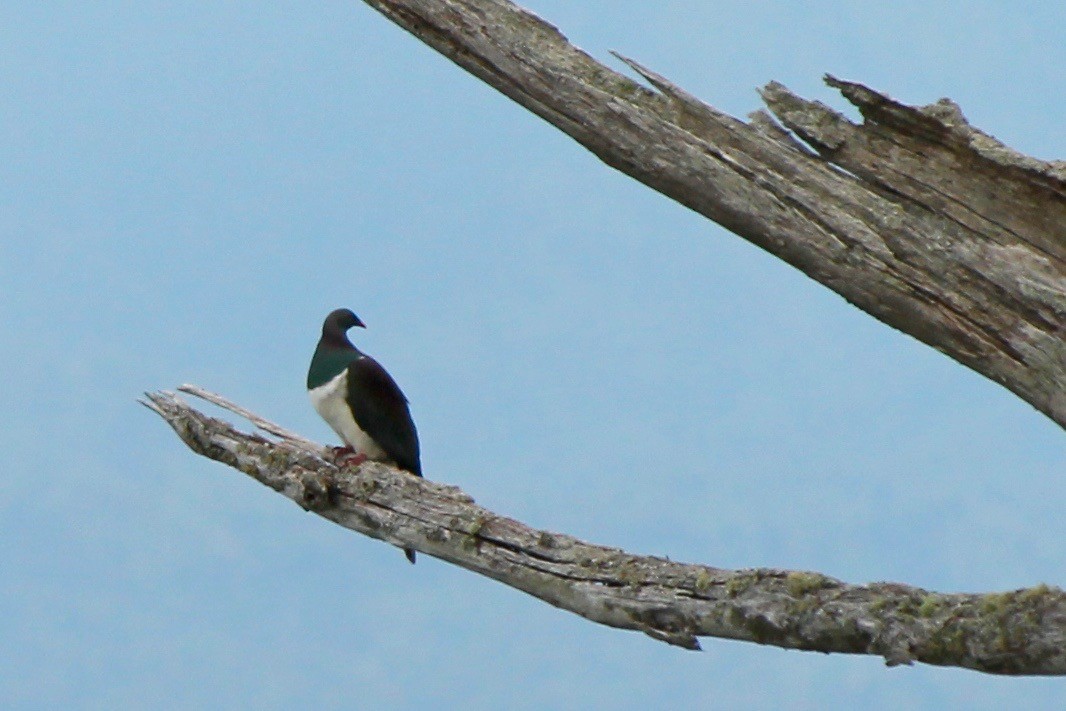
{"type": "Point", "coordinates": [410, 555]}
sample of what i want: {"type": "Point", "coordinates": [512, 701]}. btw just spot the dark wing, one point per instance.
{"type": "Point", "coordinates": [380, 410]}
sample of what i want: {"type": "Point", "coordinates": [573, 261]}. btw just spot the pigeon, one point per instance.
{"type": "Point", "coordinates": [361, 401]}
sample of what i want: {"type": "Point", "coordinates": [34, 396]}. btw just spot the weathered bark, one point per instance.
{"type": "Point", "coordinates": [915, 217]}
{"type": "Point", "coordinates": [1017, 632]}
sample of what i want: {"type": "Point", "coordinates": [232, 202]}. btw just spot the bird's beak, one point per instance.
{"type": "Point", "coordinates": [359, 323]}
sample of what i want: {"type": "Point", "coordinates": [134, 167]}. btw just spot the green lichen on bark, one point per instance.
{"type": "Point", "coordinates": [803, 583]}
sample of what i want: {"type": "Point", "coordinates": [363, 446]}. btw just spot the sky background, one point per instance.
{"type": "Point", "coordinates": [186, 189]}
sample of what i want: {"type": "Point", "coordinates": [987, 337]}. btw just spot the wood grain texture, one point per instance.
{"type": "Point", "coordinates": [1016, 632]}
{"type": "Point", "coordinates": [913, 216]}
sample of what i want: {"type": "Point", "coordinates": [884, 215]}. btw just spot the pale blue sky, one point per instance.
{"type": "Point", "coordinates": [187, 189]}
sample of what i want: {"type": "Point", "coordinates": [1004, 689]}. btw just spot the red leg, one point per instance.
{"type": "Point", "coordinates": [348, 457]}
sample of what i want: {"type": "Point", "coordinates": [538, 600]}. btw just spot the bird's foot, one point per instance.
{"type": "Point", "coordinates": [348, 457]}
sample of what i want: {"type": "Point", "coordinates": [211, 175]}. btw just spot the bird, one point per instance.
{"type": "Point", "coordinates": [360, 401]}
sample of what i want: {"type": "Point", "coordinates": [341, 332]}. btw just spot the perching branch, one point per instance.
{"type": "Point", "coordinates": [922, 221]}
{"type": "Point", "coordinates": [1018, 632]}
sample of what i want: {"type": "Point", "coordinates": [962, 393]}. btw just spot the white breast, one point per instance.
{"type": "Point", "coordinates": [329, 402]}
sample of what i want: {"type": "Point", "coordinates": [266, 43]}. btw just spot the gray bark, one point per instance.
{"type": "Point", "coordinates": [1017, 632]}
{"type": "Point", "coordinates": [922, 221]}
{"type": "Point", "coordinates": [914, 216]}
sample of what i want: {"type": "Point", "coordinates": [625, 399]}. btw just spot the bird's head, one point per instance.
{"type": "Point", "coordinates": [339, 321]}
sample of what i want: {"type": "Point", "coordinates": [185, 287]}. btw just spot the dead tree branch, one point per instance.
{"type": "Point", "coordinates": [1018, 632]}
{"type": "Point", "coordinates": [914, 216]}
{"type": "Point", "coordinates": [922, 221]}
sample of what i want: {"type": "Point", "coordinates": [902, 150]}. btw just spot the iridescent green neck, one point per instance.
{"type": "Point", "coordinates": [327, 363]}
